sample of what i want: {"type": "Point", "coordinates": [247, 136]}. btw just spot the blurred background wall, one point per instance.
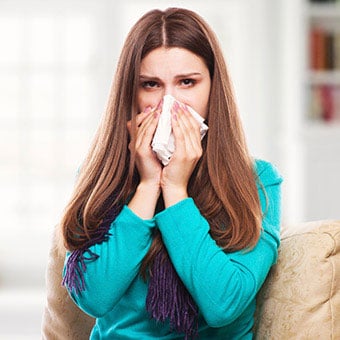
{"type": "Point", "coordinates": [57, 62]}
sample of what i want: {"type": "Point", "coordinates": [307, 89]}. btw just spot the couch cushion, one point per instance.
{"type": "Point", "coordinates": [301, 296]}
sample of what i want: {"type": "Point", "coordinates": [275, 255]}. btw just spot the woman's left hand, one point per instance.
{"type": "Point", "coordinates": [188, 151]}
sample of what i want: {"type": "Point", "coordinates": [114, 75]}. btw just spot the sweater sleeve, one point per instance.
{"type": "Point", "coordinates": [108, 277]}
{"type": "Point", "coordinates": [222, 284]}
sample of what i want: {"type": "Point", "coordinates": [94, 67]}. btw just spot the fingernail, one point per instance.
{"type": "Point", "coordinates": [155, 115]}
{"type": "Point", "coordinates": [176, 106]}
{"type": "Point", "coordinates": [159, 105]}
{"type": "Point", "coordinates": [148, 109]}
{"type": "Point", "coordinates": [184, 106]}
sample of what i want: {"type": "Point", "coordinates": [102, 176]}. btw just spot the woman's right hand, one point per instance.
{"type": "Point", "coordinates": [148, 165]}
{"type": "Point", "coordinates": [144, 200]}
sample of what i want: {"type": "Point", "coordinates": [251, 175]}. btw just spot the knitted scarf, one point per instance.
{"type": "Point", "coordinates": [167, 298]}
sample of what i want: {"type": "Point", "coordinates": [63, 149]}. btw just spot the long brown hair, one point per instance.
{"type": "Point", "coordinates": [223, 183]}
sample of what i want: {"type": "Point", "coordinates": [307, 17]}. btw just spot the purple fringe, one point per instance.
{"type": "Point", "coordinates": [168, 298]}
{"type": "Point", "coordinates": [76, 266]}
{"type": "Point", "coordinates": [75, 269]}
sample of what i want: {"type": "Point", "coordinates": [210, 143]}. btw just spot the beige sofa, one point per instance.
{"type": "Point", "coordinates": [299, 300]}
{"type": "Point", "coordinates": [301, 296]}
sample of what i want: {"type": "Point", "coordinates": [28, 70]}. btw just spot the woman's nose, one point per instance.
{"type": "Point", "coordinates": [171, 91]}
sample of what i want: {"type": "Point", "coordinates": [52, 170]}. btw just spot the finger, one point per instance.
{"type": "Point", "coordinates": [189, 130]}
{"type": "Point", "coordinates": [147, 129]}
{"type": "Point", "coordinates": [142, 129]}
{"type": "Point", "coordinates": [186, 118]}
{"type": "Point", "coordinates": [154, 113]}
{"type": "Point", "coordinates": [139, 118]}
{"type": "Point", "coordinates": [151, 126]}
{"type": "Point", "coordinates": [191, 136]}
{"type": "Point", "coordinates": [180, 147]}
{"type": "Point", "coordinates": [143, 115]}
{"type": "Point", "coordinates": [190, 123]}
{"type": "Point", "coordinates": [147, 121]}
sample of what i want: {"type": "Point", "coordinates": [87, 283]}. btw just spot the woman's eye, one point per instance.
{"type": "Point", "coordinates": [149, 84]}
{"type": "Point", "coordinates": [188, 82]}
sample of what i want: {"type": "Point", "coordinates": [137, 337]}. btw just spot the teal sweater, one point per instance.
{"type": "Point", "coordinates": [224, 285]}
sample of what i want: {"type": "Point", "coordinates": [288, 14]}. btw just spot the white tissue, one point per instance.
{"type": "Point", "coordinates": [163, 143]}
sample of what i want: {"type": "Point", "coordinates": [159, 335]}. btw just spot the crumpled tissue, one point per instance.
{"type": "Point", "coordinates": [163, 143]}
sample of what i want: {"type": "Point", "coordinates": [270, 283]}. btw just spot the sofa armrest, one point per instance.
{"type": "Point", "coordinates": [62, 319]}
{"type": "Point", "coordinates": [301, 295]}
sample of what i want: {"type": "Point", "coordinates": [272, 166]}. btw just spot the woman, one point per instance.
{"type": "Point", "coordinates": [166, 252]}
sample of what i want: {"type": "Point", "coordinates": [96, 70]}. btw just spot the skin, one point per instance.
{"type": "Point", "coordinates": [185, 76]}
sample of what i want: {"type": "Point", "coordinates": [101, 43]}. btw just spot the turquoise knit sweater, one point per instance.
{"type": "Point", "coordinates": [224, 285]}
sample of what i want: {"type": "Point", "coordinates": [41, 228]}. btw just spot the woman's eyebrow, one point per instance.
{"type": "Point", "coordinates": [188, 75]}
{"type": "Point", "coordinates": [148, 77]}
{"type": "Point", "coordinates": [184, 75]}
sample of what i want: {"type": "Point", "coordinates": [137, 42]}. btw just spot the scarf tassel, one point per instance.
{"type": "Point", "coordinates": [76, 262]}
{"type": "Point", "coordinates": [168, 298]}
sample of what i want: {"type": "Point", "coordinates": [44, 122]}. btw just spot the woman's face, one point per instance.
{"type": "Point", "coordinates": [174, 71]}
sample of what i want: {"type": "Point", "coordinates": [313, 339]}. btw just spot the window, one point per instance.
{"type": "Point", "coordinates": [52, 94]}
